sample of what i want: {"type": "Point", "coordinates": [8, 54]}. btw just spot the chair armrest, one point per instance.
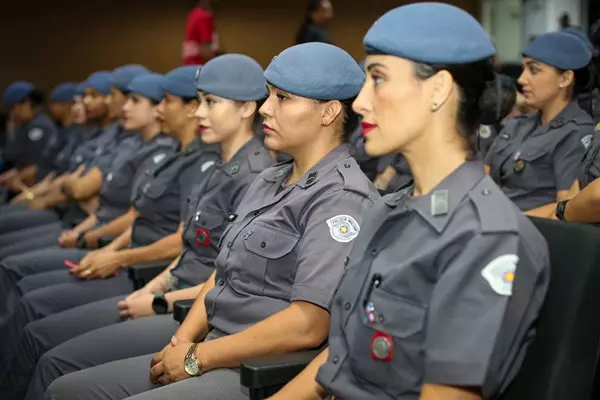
{"type": "Point", "coordinates": [263, 376]}
{"type": "Point", "coordinates": [181, 308]}
{"type": "Point", "coordinates": [143, 273]}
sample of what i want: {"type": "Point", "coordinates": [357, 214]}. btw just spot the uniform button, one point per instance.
{"type": "Point", "coordinates": [256, 213]}
{"type": "Point", "coordinates": [221, 282]}
{"type": "Point", "coordinates": [229, 245]}
{"type": "Point", "coordinates": [263, 245]}
{"type": "Point", "coordinates": [381, 318]}
{"type": "Point", "coordinates": [347, 306]}
{"type": "Point", "coordinates": [347, 165]}
{"type": "Point", "coordinates": [374, 252]}
{"type": "Point", "coordinates": [256, 153]}
{"type": "Point", "coordinates": [486, 192]}
{"type": "Point", "coordinates": [336, 359]}
{"type": "Point", "coordinates": [346, 260]}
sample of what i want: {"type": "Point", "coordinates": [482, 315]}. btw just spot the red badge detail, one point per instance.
{"type": "Point", "coordinates": [382, 347]}
{"type": "Point", "coordinates": [203, 237]}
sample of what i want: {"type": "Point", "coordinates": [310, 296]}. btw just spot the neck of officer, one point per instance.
{"type": "Point", "coordinates": [308, 156]}
{"type": "Point", "coordinates": [553, 108]}
{"type": "Point", "coordinates": [150, 131]}
{"type": "Point", "coordinates": [188, 134]}
{"type": "Point", "coordinates": [105, 120]}
{"type": "Point", "coordinates": [231, 146]}
{"type": "Point", "coordinates": [433, 157]}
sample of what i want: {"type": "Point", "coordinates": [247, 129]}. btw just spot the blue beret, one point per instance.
{"type": "Point", "coordinates": [181, 82]}
{"type": "Point", "coordinates": [579, 33]}
{"type": "Point", "coordinates": [100, 81]}
{"type": "Point", "coordinates": [233, 76]}
{"type": "Point", "coordinates": [431, 33]}
{"type": "Point", "coordinates": [122, 76]}
{"type": "Point", "coordinates": [16, 92]}
{"type": "Point", "coordinates": [65, 92]}
{"type": "Point", "coordinates": [81, 88]}
{"type": "Point", "coordinates": [318, 71]}
{"type": "Point", "coordinates": [148, 85]}
{"type": "Point", "coordinates": [559, 50]}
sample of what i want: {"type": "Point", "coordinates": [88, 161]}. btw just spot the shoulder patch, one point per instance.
{"type": "Point", "coordinates": [343, 228]}
{"type": "Point", "coordinates": [158, 158]}
{"type": "Point", "coordinates": [598, 127]}
{"type": "Point", "coordinates": [485, 132]}
{"type": "Point", "coordinates": [35, 134]}
{"type": "Point", "coordinates": [206, 166]}
{"type": "Point", "coordinates": [500, 273]}
{"type": "Point", "coordinates": [587, 140]}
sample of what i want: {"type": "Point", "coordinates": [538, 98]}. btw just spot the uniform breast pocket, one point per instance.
{"type": "Point", "coordinates": [269, 260]}
{"type": "Point", "coordinates": [207, 226]}
{"type": "Point", "coordinates": [532, 169]}
{"type": "Point", "coordinates": [155, 190]}
{"type": "Point", "coordinates": [386, 342]}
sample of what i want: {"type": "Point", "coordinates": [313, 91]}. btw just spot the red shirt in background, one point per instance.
{"type": "Point", "coordinates": [199, 29]}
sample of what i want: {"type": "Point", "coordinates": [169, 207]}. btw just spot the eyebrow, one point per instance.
{"type": "Point", "coordinates": [532, 63]}
{"type": "Point", "coordinates": [375, 65]}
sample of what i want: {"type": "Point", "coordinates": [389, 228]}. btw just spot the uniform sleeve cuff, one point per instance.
{"type": "Point", "coordinates": [455, 373]}
{"type": "Point", "coordinates": [316, 296]}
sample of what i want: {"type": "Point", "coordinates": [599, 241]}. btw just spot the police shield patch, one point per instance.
{"type": "Point", "coordinates": [485, 132]}
{"type": "Point", "coordinates": [35, 134]}
{"type": "Point", "coordinates": [343, 228]}
{"type": "Point", "coordinates": [500, 273]}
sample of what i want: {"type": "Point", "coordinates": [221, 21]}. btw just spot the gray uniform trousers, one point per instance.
{"type": "Point", "coordinates": [50, 293]}
{"type": "Point", "coordinates": [13, 269]}
{"type": "Point", "coordinates": [129, 379]}
{"type": "Point", "coordinates": [29, 239]}
{"type": "Point", "coordinates": [4, 208]}
{"type": "Point", "coordinates": [20, 219]}
{"type": "Point", "coordinates": [100, 345]}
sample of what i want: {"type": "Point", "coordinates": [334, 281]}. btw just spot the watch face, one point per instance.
{"type": "Point", "coordinates": [191, 367]}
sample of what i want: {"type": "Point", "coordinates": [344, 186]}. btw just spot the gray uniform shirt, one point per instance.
{"type": "Point", "coordinates": [35, 138]}
{"type": "Point", "coordinates": [210, 206]}
{"type": "Point", "coordinates": [84, 154]}
{"type": "Point", "coordinates": [165, 190]}
{"type": "Point", "coordinates": [591, 163]}
{"type": "Point", "coordinates": [531, 163]}
{"type": "Point", "coordinates": [428, 294]}
{"type": "Point", "coordinates": [115, 153]}
{"type": "Point", "coordinates": [287, 240]}
{"type": "Point", "coordinates": [122, 181]}
{"type": "Point", "coordinates": [74, 136]}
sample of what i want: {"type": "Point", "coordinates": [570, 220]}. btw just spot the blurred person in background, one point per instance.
{"type": "Point", "coordinates": [201, 38]}
{"type": "Point", "coordinates": [314, 28]}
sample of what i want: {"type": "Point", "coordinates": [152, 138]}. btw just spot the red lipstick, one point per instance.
{"type": "Point", "coordinates": [367, 127]}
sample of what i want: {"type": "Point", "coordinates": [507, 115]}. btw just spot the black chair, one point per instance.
{"type": "Point", "coordinates": [143, 273]}
{"type": "Point", "coordinates": [181, 308]}
{"type": "Point", "coordinates": [561, 362]}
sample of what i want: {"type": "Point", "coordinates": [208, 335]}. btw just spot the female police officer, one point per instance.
{"type": "Point", "coordinates": [424, 310]}
{"type": "Point", "coordinates": [230, 88]}
{"type": "Point", "coordinates": [536, 157]}
{"type": "Point", "coordinates": [280, 258]}
{"type": "Point", "coordinates": [151, 237]}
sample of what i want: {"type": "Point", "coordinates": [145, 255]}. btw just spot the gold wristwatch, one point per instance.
{"type": "Point", "coordinates": [191, 365]}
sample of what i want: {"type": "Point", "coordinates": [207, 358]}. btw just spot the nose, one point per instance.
{"type": "Point", "coordinates": [360, 104]}
{"type": "Point", "coordinates": [266, 110]}
{"type": "Point", "coordinates": [160, 108]}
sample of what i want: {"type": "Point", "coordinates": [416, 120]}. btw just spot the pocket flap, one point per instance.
{"type": "Point", "coordinates": [533, 153]}
{"type": "Point", "coordinates": [395, 315]}
{"type": "Point", "coordinates": [269, 241]}
{"type": "Point", "coordinates": [209, 219]}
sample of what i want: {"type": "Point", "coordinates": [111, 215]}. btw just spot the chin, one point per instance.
{"type": "Point", "coordinates": [377, 148]}
{"type": "Point", "coordinates": [273, 144]}
{"type": "Point", "coordinates": [209, 138]}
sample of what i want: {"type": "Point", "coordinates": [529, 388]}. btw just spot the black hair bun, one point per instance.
{"type": "Point", "coordinates": [497, 100]}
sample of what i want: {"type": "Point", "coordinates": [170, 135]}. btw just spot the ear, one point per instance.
{"type": "Point", "coordinates": [567, 78]}
{"type": "Point", "coordinates": [331, 110]}
{"type": "Point", "coordinates": [248, 109]}
{"type": "Point", "coordinates": [443, 85]}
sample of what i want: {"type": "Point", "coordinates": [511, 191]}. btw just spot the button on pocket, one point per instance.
{"type": "Point", "coordinates": [270, 265]}
{"type": "Point", "coordinates": [403, 320]}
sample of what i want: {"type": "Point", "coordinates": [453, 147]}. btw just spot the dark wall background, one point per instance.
{"type": "Point", "coordinates": [52, 41]}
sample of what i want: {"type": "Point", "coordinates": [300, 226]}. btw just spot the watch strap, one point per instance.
{"type": "Point", "coordinates": [560, 210]}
